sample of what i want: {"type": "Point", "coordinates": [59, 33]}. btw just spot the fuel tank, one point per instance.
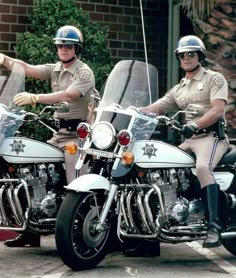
{"type": "Point", "coordinates": [25, 150]}
{"type": "Point", "coordinates": [158, 154]}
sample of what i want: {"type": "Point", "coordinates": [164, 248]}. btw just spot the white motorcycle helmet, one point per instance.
{"type": "Point", "coordinates": [70, 35]}
{"type": "Point", "coordinates": [191, 43]}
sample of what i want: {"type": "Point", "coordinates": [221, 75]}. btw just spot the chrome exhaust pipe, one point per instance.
{"type": "Point", "coordinates": [4, 217]}
{"type": "Point", "coordinates": [12, 195]}
{"type": "Point", "coordinates": [228, 235]}
{"type": "Point", "coordinates": [142, 213]}
{"type": "Point", "coordinates": [129, 210]}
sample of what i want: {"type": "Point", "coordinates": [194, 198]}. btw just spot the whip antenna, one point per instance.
{"type": "Point", "coordinates": [145, 51]}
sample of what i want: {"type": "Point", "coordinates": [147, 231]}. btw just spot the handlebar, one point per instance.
{"type": "Point", "coordinates": [169, 121]}
{"type": "Point", "coordinates": [38, 118]}
{"type": "Point", "coordinates": [174, 124]}
{"type": "Point", "coordinates": [27, 116]}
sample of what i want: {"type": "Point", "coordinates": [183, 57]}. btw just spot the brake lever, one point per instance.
{"type": "Point", "coordinates": [175, 125]}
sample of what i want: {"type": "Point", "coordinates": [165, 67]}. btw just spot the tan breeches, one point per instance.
{"type": "Point", "coordinates": [208, 151]}
{"type": "Point", "coordinates": [60, 140]}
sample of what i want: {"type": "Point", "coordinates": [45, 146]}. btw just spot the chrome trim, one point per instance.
{"type": "Point", "coordinates": [130, 135]}
{"type": "Point", "coordinates": [12, 194]}
{"type": "Point", "coordinates": [149, 236]}
{"type": "Point", "coordinates": [175, 239]}
{"type": "Point", "coordinates": [158, 191]}
{"type": "Point", "coordinates": [142, 212]}
{"type": "Point", "coordinates": [100, 153]}
{"type": "Point", "coordinates": [107, 206]}
{"type": "Point", "coordinates": [233, 199]}
{"type": "Point", "coordinates": [17, 201]}
{"type": "Point", "coordinates": [148, 209]}
{"type": "Point", "coordinates": [112, 130]}
{"type": "Point", "coordinates": [122, 209]}
{"type": "Point", "coordinates": [88, 128]}
{"type": "Point", "coordinates": [129, 210]}
{"type": "Point", "coordinates": [228, 235]}
{"type": "Point", "coordinates": [11, 203]}
{"type": "Point", "coordinates": [3, 212]}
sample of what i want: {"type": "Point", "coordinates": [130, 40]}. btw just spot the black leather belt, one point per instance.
{"type": "Point", "coordinates": [205, 131]}
{"type": "Point", "coordinates": [70, 125]}
{"type": "Point", "coordinates": [218, 129]}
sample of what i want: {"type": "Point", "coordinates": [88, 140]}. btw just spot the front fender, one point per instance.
{"type": "Point", "coordinates": [89, 182]}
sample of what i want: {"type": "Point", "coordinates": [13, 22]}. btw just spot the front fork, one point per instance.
{"type": "Point", "coordinates": [105, 210]}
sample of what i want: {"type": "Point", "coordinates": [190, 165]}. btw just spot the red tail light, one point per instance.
{"type": "Point", "coordinates": [124, 137]}
{"type": "Point", "coordinates": [83, 130]}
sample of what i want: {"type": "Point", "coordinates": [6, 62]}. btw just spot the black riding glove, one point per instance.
{"type": "Point", "coordinates": [189, 129]}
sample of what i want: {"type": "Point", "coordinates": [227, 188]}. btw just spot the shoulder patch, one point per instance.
{"type": "Point", "coordinates": [84, 75]}
{"type": "Point", "coordinates": [218, 81]}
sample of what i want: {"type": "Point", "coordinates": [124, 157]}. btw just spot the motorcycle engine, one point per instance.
{"type": "Point", "coordinates": [48, 205]}
{"type": "Point", "coordinates": [173, 183]}
{"type": "Point", "coordinates": [43, 200]}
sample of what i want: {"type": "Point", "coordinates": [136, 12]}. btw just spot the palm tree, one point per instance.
{"type": "Point", "coordinates": [214, 21]}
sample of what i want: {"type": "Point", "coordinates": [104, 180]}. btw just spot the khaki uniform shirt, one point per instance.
{"type": "Point", "coordinates": [78, 76]}
{"type": "Point", "coordinates": [204, 87]}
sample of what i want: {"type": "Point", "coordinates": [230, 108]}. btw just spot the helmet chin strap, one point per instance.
{"type": "Point", "coordinates": [68, 61]}
{"type": "Point", "coordinates": [192, 70]}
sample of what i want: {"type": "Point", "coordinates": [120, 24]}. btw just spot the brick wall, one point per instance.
{"type": "Point", "coordinates": [13, 19]}
{"type": "Point", "coordinates": [126, 36]}
{"type": "Point", "coordinates": [124, 20]}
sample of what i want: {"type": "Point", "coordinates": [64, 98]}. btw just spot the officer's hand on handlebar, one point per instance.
{"type": "Point", "coordinates": [189, 129]}
{"type": "Point", "coordinates": [25, 98]}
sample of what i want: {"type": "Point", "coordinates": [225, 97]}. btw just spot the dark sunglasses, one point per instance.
{"type": "Point", "coordinates": [67, 46]}
{"type": "Point", "coordinates": [187, 54]}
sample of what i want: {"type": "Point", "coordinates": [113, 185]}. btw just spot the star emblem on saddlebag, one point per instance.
{"type": "Point", "coordinates": [149, 150]}
{"type": "Point", "coordinates": [17, 146]}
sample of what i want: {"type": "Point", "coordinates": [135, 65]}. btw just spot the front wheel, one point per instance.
{"type": "Point", "coordinates": [79, 244]}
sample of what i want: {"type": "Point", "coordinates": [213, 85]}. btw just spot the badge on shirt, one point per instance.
{"type": "Point", "coordinates": [84, 75]}
{"type": "Point", "coordinates": [218, 81]}
{"type": "Point", "coordinates": [200, 86]}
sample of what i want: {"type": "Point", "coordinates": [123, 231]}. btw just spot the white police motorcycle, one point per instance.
{"type": "Point", "coordinates": [32, 173]}
{"type": "Point", "coordinates": [140, 186]}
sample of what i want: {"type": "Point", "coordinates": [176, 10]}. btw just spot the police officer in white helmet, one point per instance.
{"type": "Point", "coordinates": [72, 81]}
{"type": "Point", "coordinates": [204, 134]}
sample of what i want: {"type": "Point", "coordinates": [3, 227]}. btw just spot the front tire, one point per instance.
{"type": "Point", "coordinates": [78, 243]}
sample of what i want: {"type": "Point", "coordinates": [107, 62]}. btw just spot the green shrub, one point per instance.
{"type": "Point", "coordinates": [36, 46]}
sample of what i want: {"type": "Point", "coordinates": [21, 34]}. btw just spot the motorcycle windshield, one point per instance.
{"type": "Point", "coordinates": [10, 116]}
{"type": "Point", "coordinates": [143, 127]}
{"type": "Point", "coordinates": [130, 83]}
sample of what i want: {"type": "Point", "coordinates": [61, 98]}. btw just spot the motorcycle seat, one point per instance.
{"type": "Point", "coordinates": [229, 157]}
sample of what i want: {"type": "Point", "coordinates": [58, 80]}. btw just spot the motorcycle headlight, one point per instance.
{"type": "Point", "coordinates": [103, 135]}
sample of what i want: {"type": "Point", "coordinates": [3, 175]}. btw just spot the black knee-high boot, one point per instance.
{"type": "Point", "coordinates": [211, 200]}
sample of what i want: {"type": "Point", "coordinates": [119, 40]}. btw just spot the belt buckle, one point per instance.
{"type": "Point", "coordinates": [57, 123]}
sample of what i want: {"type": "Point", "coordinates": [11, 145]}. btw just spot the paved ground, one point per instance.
{"type": "Point", "coordinates": [176, 260]}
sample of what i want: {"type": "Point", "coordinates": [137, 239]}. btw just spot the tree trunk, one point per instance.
{"type": "Point", "coordinates": [218, 32]}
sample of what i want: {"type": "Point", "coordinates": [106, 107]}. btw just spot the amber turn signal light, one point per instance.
{"type": "Point", "coordinates": [71, 148]}
{"type": "Point", "coordinates": [127, 158]}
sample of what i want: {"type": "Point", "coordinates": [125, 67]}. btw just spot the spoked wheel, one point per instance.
{"type": "Point", "coordinates": [79, 244]}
